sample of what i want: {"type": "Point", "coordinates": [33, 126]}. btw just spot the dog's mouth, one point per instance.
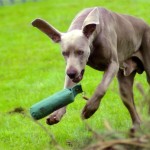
{"type": "Point", "coordinates": [79, 77]}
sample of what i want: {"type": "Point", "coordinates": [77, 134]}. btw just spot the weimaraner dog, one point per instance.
{"type": "Point", "coordinates": [107, 41]}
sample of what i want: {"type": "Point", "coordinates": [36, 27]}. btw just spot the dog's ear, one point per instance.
{"type": "Point", "coordinates": [90, 22]}
{"type": "Point", "coordinates": [48, 29]}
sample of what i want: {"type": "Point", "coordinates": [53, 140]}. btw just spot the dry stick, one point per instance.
{"type": "Point", "coordinates": [140, 88]}
{"type": "Point", "coordinates": [134, 142]}
{"type": "Point", "coordinates": [145, 95]}
{"type": "Point", "coordinates": [108, 126]}
{"type": "Point", "coordinates": [84, 97]}
{"type": "Point", "coordinates": [97, 136]}
{"type": "Point", "coordinates": [46, 131]}
{"type": "Point", "coordinates": [124, 141]}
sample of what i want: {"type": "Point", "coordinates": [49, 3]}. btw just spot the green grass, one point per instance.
{"type": "Point", "coordinates": [29, 72]}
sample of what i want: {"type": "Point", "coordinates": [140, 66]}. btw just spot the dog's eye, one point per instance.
{"type": "Point", "coordinates": [79, 52]}
{"type": "Point", "coordinates": [65, 54]}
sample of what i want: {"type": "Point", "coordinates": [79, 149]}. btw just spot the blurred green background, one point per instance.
{"type": "Point", "coordinates": [32, 68]}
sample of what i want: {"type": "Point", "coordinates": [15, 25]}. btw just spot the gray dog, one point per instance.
{"type": "Point", "coordinates": [107, 41]}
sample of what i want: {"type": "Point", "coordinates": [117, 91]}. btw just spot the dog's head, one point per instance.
{"type": "Point", "coordinates": [75, 45]}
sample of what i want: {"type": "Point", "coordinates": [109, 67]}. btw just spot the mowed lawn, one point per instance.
{"type": "Point", "coordinates": [32, 68]}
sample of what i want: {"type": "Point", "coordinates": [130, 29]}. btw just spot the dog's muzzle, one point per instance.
{"type": "Point", "coordinates": [73, 74]}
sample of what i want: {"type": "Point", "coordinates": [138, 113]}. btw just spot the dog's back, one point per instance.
{"type": "Point", "coordinates": [106, 15]}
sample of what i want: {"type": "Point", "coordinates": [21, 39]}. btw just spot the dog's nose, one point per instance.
{"type": "Point", "coordinates": [71, 73]}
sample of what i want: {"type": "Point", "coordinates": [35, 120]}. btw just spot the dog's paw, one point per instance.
{"type": "Point", "coordinates": [89, 109]}
{"type": "Point", "coordinates": [52, 119]}
{"type": "Point", "coordinates": [55, 117]}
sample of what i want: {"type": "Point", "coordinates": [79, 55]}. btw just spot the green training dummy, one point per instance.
{"type": "Point", "coordinates": [54, 102]}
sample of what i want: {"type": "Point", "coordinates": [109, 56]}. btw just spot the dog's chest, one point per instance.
{"type": "Point", "coordinates": [98, 61]}
{"type": "Point", "coordinates": [100, 56]}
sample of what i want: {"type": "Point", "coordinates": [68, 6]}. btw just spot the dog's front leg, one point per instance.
{"type": "Point", "coordinates": [93, 103]}
{"type": "Point", "coordinates": [56, 116]}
